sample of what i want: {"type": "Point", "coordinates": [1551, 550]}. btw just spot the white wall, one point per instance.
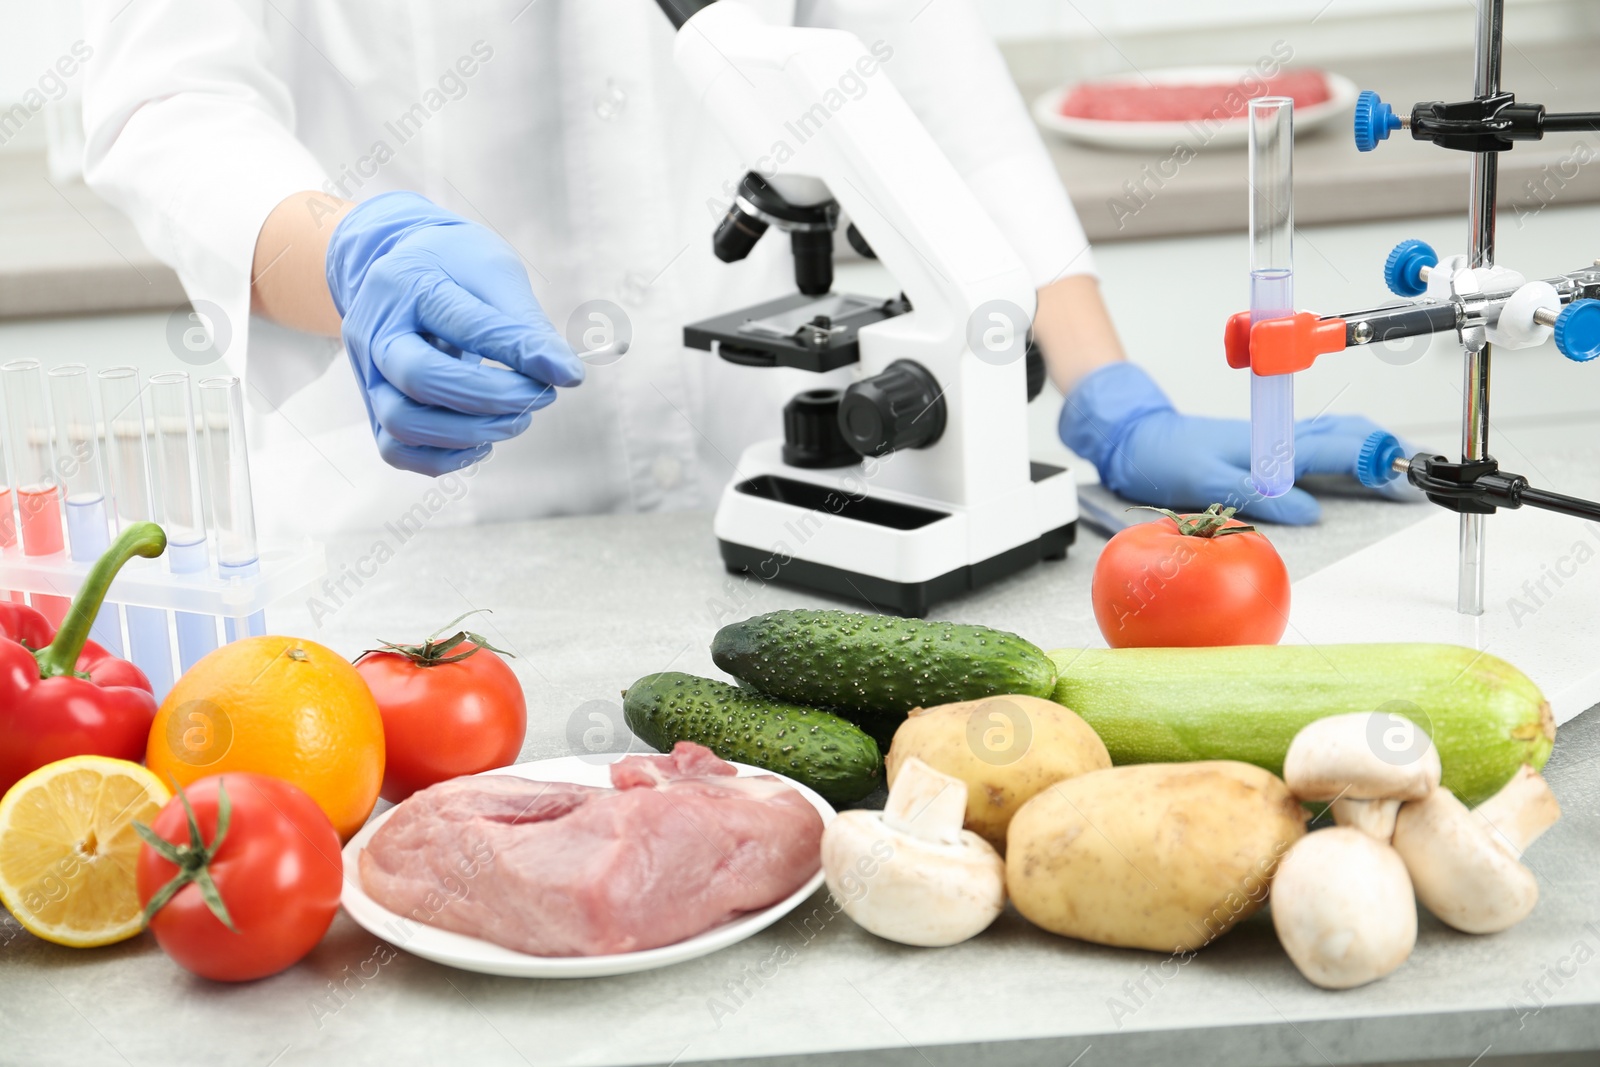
{"type": "Point", "coordinates": [1024, 19]}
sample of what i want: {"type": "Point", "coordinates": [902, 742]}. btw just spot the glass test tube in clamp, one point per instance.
{"type": "Point", "coordinates": [128, 463]}
{"type": "Point", "coordinates": [1271, 287]}
{"type": "Point", "coordinates": [177, 472]}
{"type": "Point", "coordinates": [228, 474]}
{"type": "Point", "coordinates": [33, 469]}
{"type": "Point", "coordinates": [78, 462]}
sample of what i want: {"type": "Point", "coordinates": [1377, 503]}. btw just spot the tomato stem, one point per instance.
{"type": "Point", "coordinates": [1212, 522]}
{"type": "Point", "coordinates": [433, 651]}
{"type": "Point", "coordinates": [193, 859]}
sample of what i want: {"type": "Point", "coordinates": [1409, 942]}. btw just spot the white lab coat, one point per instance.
{"type": "Point", "coordinates": [562, 125]}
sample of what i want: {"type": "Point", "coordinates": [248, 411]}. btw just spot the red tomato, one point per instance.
{"type": "Point", "coordinates": [1181, 581]}
{"type": "Point", "coordinates": [450, 707]}
{"type": "Point", "coordinates": [277, 871]}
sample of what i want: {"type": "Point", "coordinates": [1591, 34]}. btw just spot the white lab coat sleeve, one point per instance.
{"type": "Point", "coordinates": [948, 67]}
{"type": "Point", "coordinates": [190, 133]}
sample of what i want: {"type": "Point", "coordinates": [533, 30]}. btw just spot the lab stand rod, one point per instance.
{"type": "Point", "coordinates": [1480, 253]}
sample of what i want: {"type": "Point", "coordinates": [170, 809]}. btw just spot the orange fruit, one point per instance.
{"type": "Point", "coordinates": [280, 706]}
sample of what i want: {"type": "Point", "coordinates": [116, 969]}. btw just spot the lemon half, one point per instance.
{"type": "Point", "coordinates": [68, 848]}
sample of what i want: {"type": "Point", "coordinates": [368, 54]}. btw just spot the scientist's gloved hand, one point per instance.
{"type": "Point", "coordinates": [424, 295]}
{"type": "Point", "coordinates": [1145, 450]}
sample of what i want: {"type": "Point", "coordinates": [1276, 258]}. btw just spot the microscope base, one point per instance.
{"type": "Point", "coordinates": [893, 552]}
{"type": "Point", "coordinates": [911, 599]}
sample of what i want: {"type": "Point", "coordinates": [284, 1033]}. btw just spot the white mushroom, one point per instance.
{"type": "Point", "coordinates": [1361, 756]}
{"type": "Point", "coordinates": [910, 873]}
{"type": "Point", "coordinates": [1343, 908]}
{"type": "Point", "coordinates": [1375, 818]}
{"type": "Point", "coordinates": [1465, 864]}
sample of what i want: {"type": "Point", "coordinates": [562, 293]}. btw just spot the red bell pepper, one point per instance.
{"type": "Point", "coordinates": [63, 695]}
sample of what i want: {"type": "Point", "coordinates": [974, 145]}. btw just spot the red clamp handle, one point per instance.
{"type": "Point", "coordinates": [1281, 346]}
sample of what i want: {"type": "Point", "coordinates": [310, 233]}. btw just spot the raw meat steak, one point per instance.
{"type": "Point", "coordinates": [679, 846]}
{"type": "Point", "coordinates": [1133, 102]}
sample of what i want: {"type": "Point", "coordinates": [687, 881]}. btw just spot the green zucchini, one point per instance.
{"type": "Point", "coordinates": [814, 747]}
{"type": "Point", "coordinates": [1172, 705]}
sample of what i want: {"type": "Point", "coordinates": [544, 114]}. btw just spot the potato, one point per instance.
{"type": "Point", "coordinates": [1006, 749]}
{"type": "Point", "coordinates": [1161, 856]}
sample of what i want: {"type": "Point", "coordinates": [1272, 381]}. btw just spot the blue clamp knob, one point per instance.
{"type": "Point", "coordinates": [1578, 330]}
{"type": "Point", "coordinates": [1375, 120]}
{"type": "Point", "coordinates": [1375, 461]}
{"type": "Point", "coordinates": [1402, 271]}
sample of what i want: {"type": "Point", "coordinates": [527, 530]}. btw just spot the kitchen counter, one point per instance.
{"type": "Point", "coordinates": [1131, 194]}
{"type": "Point", "coordinates": [589, 604]}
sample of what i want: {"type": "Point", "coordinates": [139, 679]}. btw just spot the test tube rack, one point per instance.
{"type": "Point", "coordinates": [209, 605]}
{"type": "Point", "coordinates": [1485, 304]}
{"type": "Point", "coordinates": [146, 582]}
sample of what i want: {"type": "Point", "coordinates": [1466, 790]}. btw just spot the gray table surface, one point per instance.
{"type": "Point", "coordinates": [589, 604]}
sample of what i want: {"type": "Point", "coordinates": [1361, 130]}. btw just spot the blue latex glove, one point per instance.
{"type": "Point", "coordinates": [425, 295]}
{"type": "Point", "coordinates": [1145, 450]}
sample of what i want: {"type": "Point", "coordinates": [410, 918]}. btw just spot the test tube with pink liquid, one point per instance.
{"type": "Point", "coordinates": [8, 518]}
{"type": "Point", "coordinates": [34, 480]}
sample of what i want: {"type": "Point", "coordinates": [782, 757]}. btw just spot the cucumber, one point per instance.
{"type": "Point", "coordinates": [872, 669]}
{"type": "Point", "coordinates": [814, 747]}
{"type": "Point", "coordinates": [1171, 705]}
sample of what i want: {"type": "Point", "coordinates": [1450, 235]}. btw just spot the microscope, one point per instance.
{"type": "Point", "coordinates": [913, 484]}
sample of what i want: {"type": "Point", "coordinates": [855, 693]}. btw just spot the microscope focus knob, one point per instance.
{"type": "Point", "coordinates": [900, 407]}
{"type": "Point", "coordinates": [1375, 461]}
{"type": "Point", "coordinates": [1375, 120]}
{"type": "Point", "coordinates": [1577, 330]}
{"type": "Point", "coordinates": [1402, 271]}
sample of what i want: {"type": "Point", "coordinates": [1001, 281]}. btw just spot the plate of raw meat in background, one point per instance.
{"type": "Point", "coordinates": [474, 954]}
{"type": "Point", "coordinates": [1195, 106]}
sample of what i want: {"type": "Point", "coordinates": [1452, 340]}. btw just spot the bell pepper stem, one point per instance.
{"type": "Point", "coordinates": [60, 657]}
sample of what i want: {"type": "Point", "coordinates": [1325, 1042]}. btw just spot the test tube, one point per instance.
{"type": "Point", "coordinates": [1271, 286]}
{"type": "Point", "coordinates": [127, 461]}
{"type": "Point", "coordinates": [33, 469]}
{"type": "Point", "coordinates": [8, 517]}
{"type": "Point", "coordinates": [233, 511]}
{"type": "Point", "coordinates": [78, 462]}
{"type": "Point", "coordinates": [177, 472]}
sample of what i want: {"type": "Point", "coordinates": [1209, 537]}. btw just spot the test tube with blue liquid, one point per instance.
{"type": "Point", "coordinates": [233, 513]}
{"type": "Point", "coordinates": [78, 460]}
{"type": "Point", "coordinates": [33, 469]}
{"type": "Point", "coordinates": [128, 467]}
{"type": "Point", "coordinates": [1271, 286]}
{"type": "Point", "coordinates": [177, 472]}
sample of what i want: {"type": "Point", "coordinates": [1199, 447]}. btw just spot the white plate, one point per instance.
{"type": "Point", "coordinates": [474, 954]}
{"type": "Point", "coordinates": [1342, 95]}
